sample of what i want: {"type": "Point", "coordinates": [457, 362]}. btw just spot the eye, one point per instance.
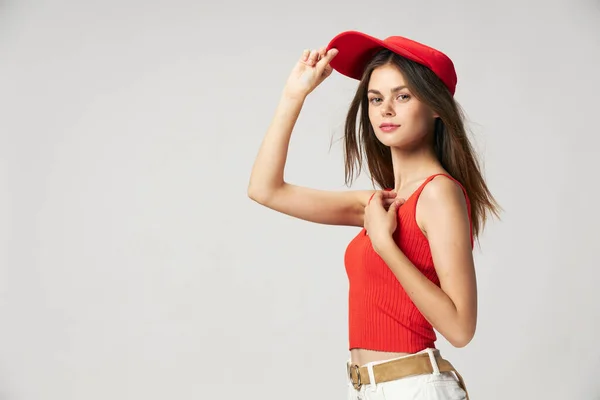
{"type": "Point", "coordinates": [375, 100]}
{"type": "Point", "coordinates": [403, 97]}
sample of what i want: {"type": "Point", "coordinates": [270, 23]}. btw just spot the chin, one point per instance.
{"type": "Point", "coordinates": [400, 140]}
{"type": "Point", "coordinates": [391, 139]}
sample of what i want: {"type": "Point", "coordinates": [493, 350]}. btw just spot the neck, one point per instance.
{"type": "Point", "coordinates": [413, 165]}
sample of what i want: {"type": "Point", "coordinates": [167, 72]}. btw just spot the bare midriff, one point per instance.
{"type": "Point", "coordinates": [363, 356]}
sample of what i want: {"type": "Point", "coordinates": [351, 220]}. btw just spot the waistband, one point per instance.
{"type": "Point", "coordinates": [428, 361]}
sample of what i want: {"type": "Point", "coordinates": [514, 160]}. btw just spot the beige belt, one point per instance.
{"type": "Point", "coordinates": [418, 364]}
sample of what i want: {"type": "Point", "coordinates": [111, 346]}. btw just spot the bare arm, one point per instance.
{"type": "Point", "coordinates": [267, 185]}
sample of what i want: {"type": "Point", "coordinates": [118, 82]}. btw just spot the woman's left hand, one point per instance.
{"type": "Point", "coordinates": [379, 223]}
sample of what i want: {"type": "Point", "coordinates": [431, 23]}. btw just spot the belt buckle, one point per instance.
{"type": "Point", "coordinates": [358, 383]}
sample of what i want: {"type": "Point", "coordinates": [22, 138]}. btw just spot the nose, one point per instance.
{"type": "Point", "coordinates": [387, 110]}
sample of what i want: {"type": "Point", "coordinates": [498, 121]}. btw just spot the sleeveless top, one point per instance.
{"type": "Point", "coordinates": [381, 314]}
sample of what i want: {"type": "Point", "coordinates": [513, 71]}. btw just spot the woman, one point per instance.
{"type": "Point", "coordinates": [410, 268]}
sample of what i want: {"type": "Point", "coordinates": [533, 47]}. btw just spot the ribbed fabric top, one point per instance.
{"type": "Point", "coordinates": [381, 314]}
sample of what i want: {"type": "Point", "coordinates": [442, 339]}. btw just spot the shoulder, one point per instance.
{"type": "Point", "coordinates": [442, 201]}
{"type": "Point", "coordinates": [442, 190]}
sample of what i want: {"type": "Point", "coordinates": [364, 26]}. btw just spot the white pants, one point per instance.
{"type": "Point", "coordinates": [435, 386]}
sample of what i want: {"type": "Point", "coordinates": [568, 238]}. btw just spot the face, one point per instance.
{"type": "Point", "coordinates": [397, 117]}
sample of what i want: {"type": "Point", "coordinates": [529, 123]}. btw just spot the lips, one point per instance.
{"type": "Point", "coordinates": [388, 127]}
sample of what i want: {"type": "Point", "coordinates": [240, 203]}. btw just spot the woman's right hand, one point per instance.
{"type": "Point", "coordinates": [308, 73]}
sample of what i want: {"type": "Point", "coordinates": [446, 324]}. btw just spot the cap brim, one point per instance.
{"type": "Point", "coordinates": [355, 49]}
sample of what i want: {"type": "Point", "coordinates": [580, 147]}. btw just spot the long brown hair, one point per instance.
{"type": "Point", "coordinates": [451, 144]}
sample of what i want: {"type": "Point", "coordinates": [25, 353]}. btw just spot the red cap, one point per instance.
{"type": "Point", "coordinates": [355, 50]}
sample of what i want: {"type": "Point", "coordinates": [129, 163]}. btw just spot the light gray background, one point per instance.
{"type": "Point", "coordinates": [133, 265]}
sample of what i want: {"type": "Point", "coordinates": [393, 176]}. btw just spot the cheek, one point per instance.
{"type": "Point", "coordinates": [372, 115]}
{"type": "Point", "coordinates": [419, 118]}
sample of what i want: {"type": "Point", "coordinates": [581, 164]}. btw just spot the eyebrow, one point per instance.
{"type": "Point", "coordinates": [394, 90]}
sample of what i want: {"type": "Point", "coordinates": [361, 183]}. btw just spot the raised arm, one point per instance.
{"type": "Point", "coordinates": [267, 185]}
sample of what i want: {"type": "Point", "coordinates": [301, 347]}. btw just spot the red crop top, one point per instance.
{"type": "Point", "coordinates": [381, 314]}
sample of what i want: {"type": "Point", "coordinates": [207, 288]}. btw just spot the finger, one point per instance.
{"type": "Point", "coordinates": [312, 58]}
{"type": "Point", "coordinates": [376, 199]}
{"type": "Point", "coordinates": [323, 67]}
{"type": "Point", "coordinates": [393, 207]}
{"type": "Point", "coordinates": [389, 194]}
{"type": "Point", "coordinates": [305, 55]}
{"type": "Point", "coordinates": [327, 57]}
{"type": "Point", "coordinates": [322, 52]}
{"type": "Point", "coordinates": [388, 202]}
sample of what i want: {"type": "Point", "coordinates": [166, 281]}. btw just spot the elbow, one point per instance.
{"type": "Point", "coordinates": [462, 338]}
{"type": "Point", "coordinates": [460, 342]}
{"type": "Point", "coordinates": [263, 192]}
{"type": "Point", "coordinates": [254, 195]}
{"type": "Point", "coordinates": [258, 195]}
